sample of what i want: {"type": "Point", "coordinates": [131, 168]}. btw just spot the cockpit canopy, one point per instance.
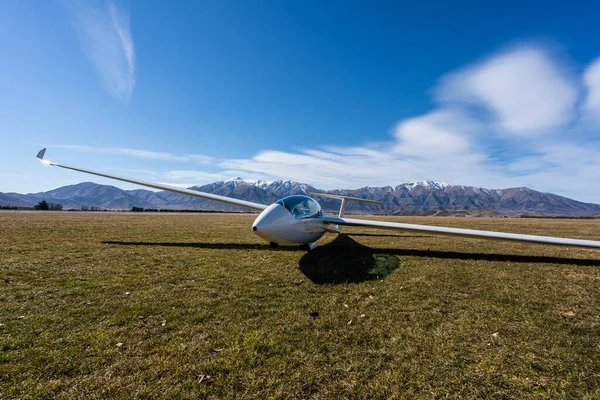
{"type": "Point", "coordinates": [302, 207]}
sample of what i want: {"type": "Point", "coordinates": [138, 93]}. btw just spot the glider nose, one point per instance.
{"type": "Point", "coordinates": [268, 224]}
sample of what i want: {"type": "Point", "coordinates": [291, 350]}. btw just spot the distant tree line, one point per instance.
{"type": "Point", "coordinates": [92, 208]}
{"type": "Point", "coordinates": [45, 206]}
{"type": "Point", "coordinates": [560, 216]}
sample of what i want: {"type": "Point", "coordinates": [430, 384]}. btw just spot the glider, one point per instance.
{"type": "Point", "coordinates": [300, 220]}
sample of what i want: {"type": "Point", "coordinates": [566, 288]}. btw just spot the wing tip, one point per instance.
{"type": "Point", "coordinates": [41, 154]}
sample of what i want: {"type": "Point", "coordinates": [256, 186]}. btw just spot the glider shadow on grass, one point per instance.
{"type": "Point", "coordinates": [346, 261]}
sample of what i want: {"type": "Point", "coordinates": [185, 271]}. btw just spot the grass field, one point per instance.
{"type": "Point", "coordinates": [97, 305]}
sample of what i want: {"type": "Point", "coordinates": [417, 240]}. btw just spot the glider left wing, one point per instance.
{"type": "Point", "coordinates": [159, 186]}
{"type": "Point", "coordinates": [462, 232]}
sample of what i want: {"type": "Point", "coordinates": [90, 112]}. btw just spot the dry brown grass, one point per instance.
{"type": "Point", "coordinates": [203, 309]}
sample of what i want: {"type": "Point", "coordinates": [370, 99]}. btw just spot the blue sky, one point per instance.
{"type": "Point", "coordinates": [338, 94]}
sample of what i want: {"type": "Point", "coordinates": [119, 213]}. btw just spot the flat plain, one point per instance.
{"type": "Point", "coordinates": [121, 305]}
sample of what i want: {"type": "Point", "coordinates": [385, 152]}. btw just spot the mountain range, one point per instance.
{"type": "Point", "coordinates": [414, 198]}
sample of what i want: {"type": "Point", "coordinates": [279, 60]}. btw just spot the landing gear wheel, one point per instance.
{"type": "Point", "coordinates": [274, 245]}
{"type": "Point", "coordinates": [310, 246]}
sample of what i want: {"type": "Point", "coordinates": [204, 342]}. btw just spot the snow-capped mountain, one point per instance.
{"type": "Point", "coordinates": [426, 184]}
{"type": "Point", "coordinates": [424, 197]}
{"type": "Point", "coordinates": [286, 188]}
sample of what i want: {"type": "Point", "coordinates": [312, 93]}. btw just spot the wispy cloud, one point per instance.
{"type": "Point", "coordinates": [137, 153]}
{"type": "Point", "coordinates": [435, 142]}
{"type": "Point", "coordinates": [525, 91]}
{"type": "Point", "coordinates": [189, 178]}
{"type": "Point", "coordinates": [192, 176]}
{"type": "Point", "coordinates": [591, 79]}
{"type": "Point", "coordinates": [518, 118]}
{"type": "Point", "coordinates": [105, 35]}
{"type": "Point", "coordinates": [515, 118]}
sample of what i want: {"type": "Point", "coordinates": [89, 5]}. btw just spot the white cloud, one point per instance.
{"type": "Point", "coordinates": [437, 133]}
{"type": "Point", "coordinates": [193, 176]}
{"type": "Point", "coordinates": [187, 178]}
{"type": "Point", "coordinates": [511, 120]}
{"type": "Point", "coordinates": [526, 91]}
{"type": "Point", "coordinates": [105, 36]}
{"type": "Point", "coordinates": [591, 79]}
{"type": "Point", "coordinates": [137, 153]}
{"type": "Point", "coordinates": [433, 145]}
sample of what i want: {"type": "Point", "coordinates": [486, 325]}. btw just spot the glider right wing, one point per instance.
{"type": "Point", "coordinates": [463, 232]}
{"type": "Point", "coordinates": [168, 188]}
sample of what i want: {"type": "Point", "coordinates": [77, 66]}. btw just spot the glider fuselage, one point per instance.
{"type": "Point", "coordinates": [291, 220]}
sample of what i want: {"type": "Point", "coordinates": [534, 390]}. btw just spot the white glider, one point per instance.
{"type": "Point", "coordinates": [299, 219]}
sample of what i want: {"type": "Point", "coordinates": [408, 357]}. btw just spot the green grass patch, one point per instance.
{"type": "Point", "coordinates": [97, 305]}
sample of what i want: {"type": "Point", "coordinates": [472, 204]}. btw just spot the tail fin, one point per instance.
{"type": "Point", "coordinates": [343, 199]}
